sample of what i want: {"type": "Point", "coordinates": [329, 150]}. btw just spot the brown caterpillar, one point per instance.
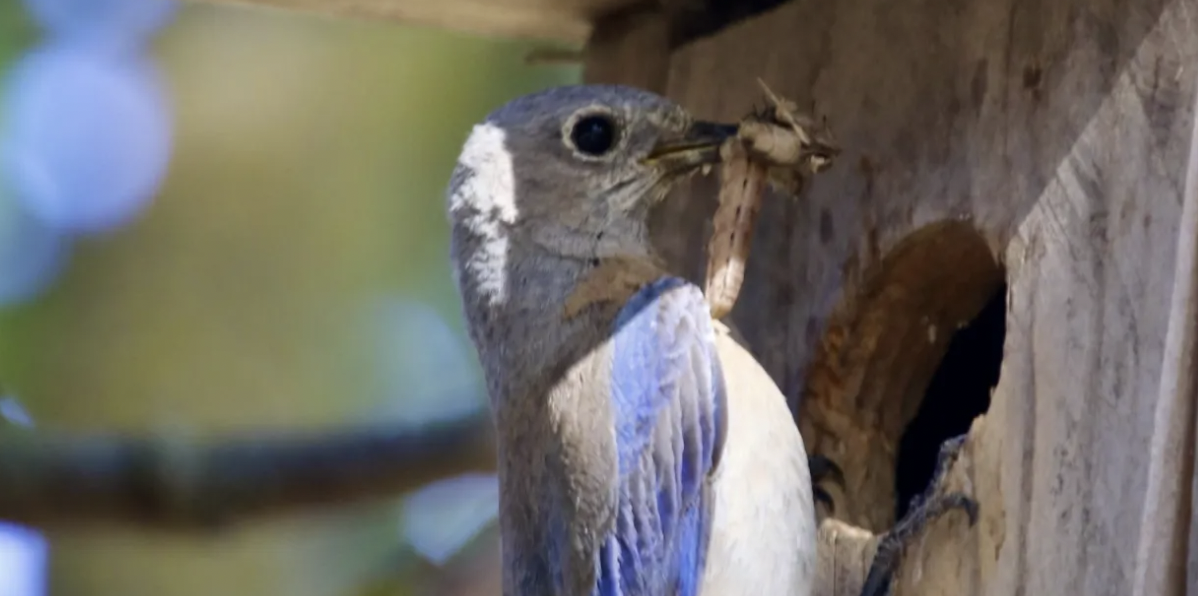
{"type": "Point", "coordinates": [778, 146]}
{"type": "Point", "coordinates": [742, 182]}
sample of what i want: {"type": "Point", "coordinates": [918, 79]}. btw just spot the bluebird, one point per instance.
{"type": "Point", "coordinates": [642, 450]}
{"type": "Point", "coordinates": [633, 460]}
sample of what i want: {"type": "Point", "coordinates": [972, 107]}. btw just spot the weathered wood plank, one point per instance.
{"type": "Point", "coordinates": [562, 20]}
{"type": "Point", "coordinates": [1167, 526]}
{"type": "Point", "coordinates": [630, 47]}
{"type": "Point", "coordinates": [571, 21]}
{"type": "Point", "coordinates": [1054, 135]}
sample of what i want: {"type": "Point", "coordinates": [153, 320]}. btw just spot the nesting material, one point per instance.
{"type": "Point", "coordinates": [778, 145]}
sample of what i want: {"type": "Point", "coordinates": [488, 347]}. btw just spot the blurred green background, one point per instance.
{"type": "Point", "coordinates": [283, 278]}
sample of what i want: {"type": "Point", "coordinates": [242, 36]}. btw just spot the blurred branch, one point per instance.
{"type": "Point", "coordinates": [168, 483]}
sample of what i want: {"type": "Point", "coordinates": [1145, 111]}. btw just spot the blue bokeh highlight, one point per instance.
{"type": "Point", "coordinates": [88, 137]}
{"type": "Point", "coordinates": [86, 134]}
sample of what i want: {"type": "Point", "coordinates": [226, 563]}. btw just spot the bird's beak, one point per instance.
{"type": "Point", "coordinates": [699, 145]}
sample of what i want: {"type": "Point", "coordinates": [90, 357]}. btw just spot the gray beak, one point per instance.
{"type": "Point", "coordinates": [698, 146]}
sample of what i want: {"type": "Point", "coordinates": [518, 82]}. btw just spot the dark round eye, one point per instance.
{"type": "Point", "coordinates": [594, 135]}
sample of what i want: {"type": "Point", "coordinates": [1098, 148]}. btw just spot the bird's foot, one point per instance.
{"type": "Point", "coordinates": [924, 509]}
{"type": "Point", "coordinates": [822, 469]}
{"type": "Point", "coordinates": [949, 450]}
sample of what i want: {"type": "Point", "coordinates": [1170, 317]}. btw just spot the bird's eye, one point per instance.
{"type": "Point", "coordinates": [594, 135]}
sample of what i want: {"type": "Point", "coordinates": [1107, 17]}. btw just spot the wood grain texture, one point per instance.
{"type": "Point", "coordinates": [629, 47]}
{"type": "Point", "coordinates": [1167, 525]}
{"type": "Point", "coordinates": [1044, 141]}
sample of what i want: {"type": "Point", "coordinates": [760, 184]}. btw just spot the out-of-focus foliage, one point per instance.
{"type": "Point", "coordinates": [84, 143]}
{"type": "Point", "coordinates": [291, 262]}
{"type": "Point", "coordinates": [84, 133]}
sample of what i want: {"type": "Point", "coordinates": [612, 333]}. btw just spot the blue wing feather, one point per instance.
{"type": "Point", "coordinates": [670, 415]}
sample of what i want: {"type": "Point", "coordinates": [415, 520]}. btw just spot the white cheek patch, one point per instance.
{"type": "Point", "coordinates": [488, 267]}
{"type": "Point", "coordinates": [493, 186]}
{"type": "Point", "coordinates": [484, 201]}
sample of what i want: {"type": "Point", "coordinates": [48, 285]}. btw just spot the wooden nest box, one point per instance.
{"type": "Point", "coordinates": [1027, 161]}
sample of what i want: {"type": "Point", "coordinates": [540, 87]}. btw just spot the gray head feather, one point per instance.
{"type": "Point", "coordinates": [522, 178]}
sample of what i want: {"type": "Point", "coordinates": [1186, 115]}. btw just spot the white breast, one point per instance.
{"type": "Point", "coordinates": [763, 535]}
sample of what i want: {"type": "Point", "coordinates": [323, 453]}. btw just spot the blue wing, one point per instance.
{"type": "Point", "coordinates": [671, 416]}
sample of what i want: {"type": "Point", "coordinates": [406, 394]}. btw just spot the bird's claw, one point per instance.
{"type": "Point", "coordinates": [823, 496]}
{"type": "Point", "coordinates": [821, 469]}
{"type": "Point", "coordinates": [924, 509]}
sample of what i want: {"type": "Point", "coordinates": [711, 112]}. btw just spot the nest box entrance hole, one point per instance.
{"type": "Point", "coordinates": [907, 361]}
{"type": "Point", "coordinates": [958, 392]}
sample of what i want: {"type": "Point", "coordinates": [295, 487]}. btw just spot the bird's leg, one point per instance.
{"type": "Point", "coordinates": [823, 468]}
{"type": "Point", "coordinates": [944, 460]}
{"type": "Point", "coordinates": [924, 509]}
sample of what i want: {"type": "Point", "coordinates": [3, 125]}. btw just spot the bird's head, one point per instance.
{"type": "Point", "coordinates": [575, 169]}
